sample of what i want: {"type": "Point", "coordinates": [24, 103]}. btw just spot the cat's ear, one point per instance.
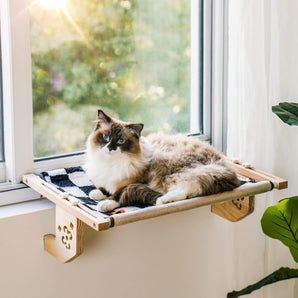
{"type": "Point", "coordinates": [136, 128]}
{"type": "Point", "coordinates": [102, 117]}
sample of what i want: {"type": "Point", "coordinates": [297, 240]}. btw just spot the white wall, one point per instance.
{"type": "Point", "coordinates": [186, 254]}
{"type": "Point", "coordinates": [193, 253]}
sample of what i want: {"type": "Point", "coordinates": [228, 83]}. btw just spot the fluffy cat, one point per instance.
{"type": "Point", "coordinates": [130, 170]}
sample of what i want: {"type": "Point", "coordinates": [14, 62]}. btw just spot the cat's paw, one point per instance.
{"type": "Point", "coordinates": [97, 195]}
{"type": "Point", "coordinates": [172, 196]}
{"type": "Point", "coordinates": [163, 200]}
{"type": "Point", "coordinates": [107, 205]}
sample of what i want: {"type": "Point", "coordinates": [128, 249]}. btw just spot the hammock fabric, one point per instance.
{"type": "Point", "coordinates": [73, 181]}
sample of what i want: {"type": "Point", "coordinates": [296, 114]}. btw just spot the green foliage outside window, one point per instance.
{"type": "Point", "coordinates": [130, 58]}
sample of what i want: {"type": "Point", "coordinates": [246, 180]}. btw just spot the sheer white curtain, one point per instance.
{"type": "Point", "coordinates": [262, 71]}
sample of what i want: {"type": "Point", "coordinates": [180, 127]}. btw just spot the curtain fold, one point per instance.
{"type": "Point", "coordinates": [262, 71]}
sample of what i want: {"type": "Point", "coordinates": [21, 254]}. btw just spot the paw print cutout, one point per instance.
{"type": "Point", "coordinates": [67, 236]}
{"type": "Point", "coordinates": [238, 203]}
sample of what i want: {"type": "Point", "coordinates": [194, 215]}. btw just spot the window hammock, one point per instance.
{"type": "Point", "coordinates": [68, 188]}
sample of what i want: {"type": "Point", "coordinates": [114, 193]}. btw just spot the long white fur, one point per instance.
{"type": "Point", "coordinates": [107, 168]}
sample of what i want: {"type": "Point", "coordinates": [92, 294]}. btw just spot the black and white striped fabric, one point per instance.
{"type": "Point", "coordinates": [75, 182]}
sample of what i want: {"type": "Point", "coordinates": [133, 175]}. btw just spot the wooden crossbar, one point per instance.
{"type": "Point", "coordinates": [258, 175]}
{"type": "Point", "coordinates": [89, 217]}
{"type": "Point", "coordinates": [249, 189]}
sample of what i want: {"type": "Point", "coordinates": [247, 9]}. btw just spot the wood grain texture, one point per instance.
{"type": "Point", "coordinates": [258, 175]}
{"type": "Point", "coordinates": [236, 209]}
{"type": "Point", "coordinates": [67, 244]}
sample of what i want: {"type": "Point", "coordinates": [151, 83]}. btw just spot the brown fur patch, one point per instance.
{"type": "Point", "coordinates": [136, 195]}
{"type": "Point", "coordinates": [180, 158]}
{"type": "Point", "coordinates": [117, 130]}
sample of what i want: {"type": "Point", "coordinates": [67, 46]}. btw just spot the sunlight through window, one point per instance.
{"type": "Point", "coordinates": [120, 56]}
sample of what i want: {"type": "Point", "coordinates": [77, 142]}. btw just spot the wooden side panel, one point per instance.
{"type": "Point", "coordinates": [67, 244]}
{"type": "Point", "coordinates": [236, 209]}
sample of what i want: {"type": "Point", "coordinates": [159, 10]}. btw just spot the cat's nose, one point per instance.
{"type": "Point", "coordinates": [111, 147]}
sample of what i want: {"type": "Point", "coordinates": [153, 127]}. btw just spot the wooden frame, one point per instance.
{"type": "Point", "coordinates": [236, 209]}
{"type": "Point", "coordinates": [67, 243]}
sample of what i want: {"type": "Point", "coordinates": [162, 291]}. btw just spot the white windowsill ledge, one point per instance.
{"type": "Point", "coordinates": [25, 208]}
{"type": "Point", "coordinates": [17, 193]}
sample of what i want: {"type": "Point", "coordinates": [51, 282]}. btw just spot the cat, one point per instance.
{"type": "Point", "coordinates": [131, 170]}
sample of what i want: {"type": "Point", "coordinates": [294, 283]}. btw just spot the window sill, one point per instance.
{"type": "Point", "coordinates": [16, 193]}
{"type": "Point", "coordinates": [12, 193]}
{"type": "Point", "coordinates": [25, 208]}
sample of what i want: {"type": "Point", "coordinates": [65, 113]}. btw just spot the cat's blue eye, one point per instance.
{"type": "Point", "coordinates": [120, 141]}
{"type": "Point", "coordinates": [106, 137]}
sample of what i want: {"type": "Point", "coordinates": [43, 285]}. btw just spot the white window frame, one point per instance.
{"type": "Point", "coordinates": [214, 70]}
{"type": "Point", "coordinates": [17, 92]}
{"type": "Point", "coordinates": [218, 82]}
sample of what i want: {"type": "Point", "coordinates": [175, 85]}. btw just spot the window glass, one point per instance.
{"type": "Point", "coordinates": [130, 58]}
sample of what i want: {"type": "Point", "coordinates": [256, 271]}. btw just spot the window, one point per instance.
{"type": "Point", "coordinates": [130, 58]}
{"type": "Point", "coordinates": [138, 61]}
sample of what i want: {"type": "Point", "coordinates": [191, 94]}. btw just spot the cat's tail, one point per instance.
{"type": "Point", "coordinates": [217, 177]}
{"type": "Point", "coordinates": [136, 194]}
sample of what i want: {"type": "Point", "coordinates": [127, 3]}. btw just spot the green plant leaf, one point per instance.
{"type": "Point", "coordinates": [287, 112]}
{"type": "Point", "coordinates": [281, 222]}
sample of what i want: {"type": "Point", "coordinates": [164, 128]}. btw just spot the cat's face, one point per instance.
{"type": "Point", "coordinates": [111, 135]}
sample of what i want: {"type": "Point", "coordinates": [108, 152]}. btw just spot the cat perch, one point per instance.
{"type": "Point", "coordinates": [72, 212]}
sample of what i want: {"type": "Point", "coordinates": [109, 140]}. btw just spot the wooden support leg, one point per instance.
{"type": "Point", "coordinates": [236, 209]}
{"type": "Point", "coordinates": [67, 244]}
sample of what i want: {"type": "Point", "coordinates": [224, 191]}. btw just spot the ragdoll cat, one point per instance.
{"type": "Point", "coordinates": [130, 170]}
